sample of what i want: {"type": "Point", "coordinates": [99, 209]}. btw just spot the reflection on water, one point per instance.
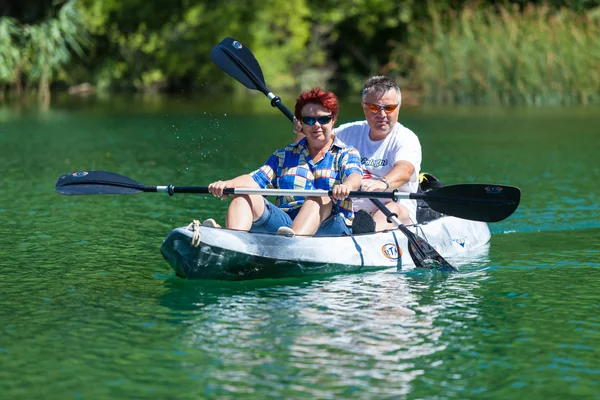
{"type": "Point", "coordinates": [325, 337]}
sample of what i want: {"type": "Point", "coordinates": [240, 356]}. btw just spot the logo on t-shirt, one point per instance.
{"type": "Point", "coordinates": [374, 162]}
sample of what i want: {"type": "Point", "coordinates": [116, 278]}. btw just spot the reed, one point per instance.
{"type": "Point", "coordinates": [508, 55]}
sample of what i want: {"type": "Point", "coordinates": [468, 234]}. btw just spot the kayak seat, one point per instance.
{"type": "Point", "coordinates": [424, 212]}
{"type": "Point", "coordinates": [363, 222]}
{"type": "Point", "coordinates": [428, 182]}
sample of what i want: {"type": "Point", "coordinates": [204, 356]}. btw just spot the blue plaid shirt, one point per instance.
{"type": "Point", "coordinates": [293, 168]}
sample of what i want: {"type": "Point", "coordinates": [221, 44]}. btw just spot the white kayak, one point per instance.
{"type": "Point", "coordinates": [214, 253]}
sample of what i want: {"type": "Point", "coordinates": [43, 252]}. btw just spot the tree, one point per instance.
{"type": "Point", "coordinates": [9, 53]}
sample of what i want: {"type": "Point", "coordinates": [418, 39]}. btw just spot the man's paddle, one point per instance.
{"type": "Point", "coordinates": [483, 205]}
{"type": "Point", "coordinates": [239, 62]}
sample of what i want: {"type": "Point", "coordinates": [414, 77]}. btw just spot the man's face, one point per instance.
{"type": "Point", "coordinates": [381, 122]}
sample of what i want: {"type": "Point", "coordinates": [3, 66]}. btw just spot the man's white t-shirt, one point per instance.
{"type": "Point", "coordinates": [379, 157]}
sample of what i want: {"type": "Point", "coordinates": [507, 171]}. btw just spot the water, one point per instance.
{"type": "Point", "coordinates": [89, 309]}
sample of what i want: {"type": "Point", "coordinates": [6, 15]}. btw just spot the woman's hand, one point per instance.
{"type": "Point", "coordinates": [242, 181]}
{"type": "Point", "coordinates": [340, 192]}
{"type": "Point", "coordinates": [217, 188]}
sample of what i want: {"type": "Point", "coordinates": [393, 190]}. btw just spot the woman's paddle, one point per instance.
{"type": "Point", "coordinates": [483, 206]}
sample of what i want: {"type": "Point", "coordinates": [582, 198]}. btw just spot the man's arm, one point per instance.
{"type": "Point", "coordinates": [398, 176]}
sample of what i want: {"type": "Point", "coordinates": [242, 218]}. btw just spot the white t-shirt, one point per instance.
{"type": "Point", "coordinates": [379, 157]}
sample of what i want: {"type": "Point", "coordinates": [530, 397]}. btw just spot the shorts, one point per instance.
{"type": "Point", "coordinates": [273, 218]}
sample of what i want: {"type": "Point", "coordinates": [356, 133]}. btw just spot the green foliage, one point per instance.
{"type": "Point", "coordinates": [38, 51]}
{"type": "Point", "coordinates": [160, 49]}
{"type": "Point", "coordinates": [48, 46]}
{"type": "Point", "coordinates": [535, 56]}
{"type": "Point", "coordinates": [359, 35]}
{"type": "Point", "coordinates": [529, 51]}
{"type": "Point", "coordinates": [9, 49]}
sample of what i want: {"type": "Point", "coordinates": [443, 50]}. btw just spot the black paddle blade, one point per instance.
{"type": "Point", "coordinates": [97, 182]}
{"type": "Point", "coordinates": [421, 252]}
{"type": "Point", "coordinates": [238, 61]}
{"type": "Point", "coordinates": [474, 201]}
{"type": "Point", "coordinates": [423, 255]}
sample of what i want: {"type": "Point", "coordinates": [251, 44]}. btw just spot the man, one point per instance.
{"type": "Point", "coordinates": [390, 153]}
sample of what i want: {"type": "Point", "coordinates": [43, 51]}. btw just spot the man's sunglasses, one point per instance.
{"type": "Point", "coordinates": [376, 107]}
{"type": "Point", "coordinates": [323, 119]}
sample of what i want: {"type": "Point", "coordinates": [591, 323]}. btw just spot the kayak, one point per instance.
{"type": "Point", "coordinates": [203, 252]}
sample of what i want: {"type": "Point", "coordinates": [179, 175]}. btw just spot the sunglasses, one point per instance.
{"type": "Point", "coordinates": [322, 120]}
{"type": "Point", "coordinates": [376, 107]}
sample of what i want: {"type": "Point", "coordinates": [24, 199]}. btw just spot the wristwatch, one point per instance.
{"type": "Point", "coordinates": [384, 180]}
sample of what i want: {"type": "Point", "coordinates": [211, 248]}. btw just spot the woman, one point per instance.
{"type": "Point", "coordinates": [319, 161]}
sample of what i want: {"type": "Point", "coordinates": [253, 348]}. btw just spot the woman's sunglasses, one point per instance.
{"type": "Point", "coordinates": [376, 107]}
{"type": "Point", "coordinates": [322, 120]}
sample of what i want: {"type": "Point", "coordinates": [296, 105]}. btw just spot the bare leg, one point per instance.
{"type": "Point", "coordinates": [243, 210]}
{"type": "Point", "coordinates": [381, 220]}
{"type": "Point", "coordinates": [314, 211]}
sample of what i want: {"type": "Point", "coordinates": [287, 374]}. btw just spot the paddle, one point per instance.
{"type": "Point", "coordinates": [103, 182]}
{"type": "Point", "coordinates": [485, 204]}
{"type": "Point", "coordinates": [235, 59]}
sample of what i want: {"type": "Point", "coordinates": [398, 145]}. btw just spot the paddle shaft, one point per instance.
{"type": "Point", "coordinates": [264, 192]}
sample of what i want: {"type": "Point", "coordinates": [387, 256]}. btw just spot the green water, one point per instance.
{"type": "Point", "coordinates": [89, 309]}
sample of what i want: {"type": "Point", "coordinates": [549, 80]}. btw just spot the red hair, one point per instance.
{"type": "Point", "coordinates": [317, 96]}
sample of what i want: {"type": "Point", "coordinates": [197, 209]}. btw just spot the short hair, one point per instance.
{"type": "Point", "coordinates": [317, 95]}
{"type": "Point", "coordinates": [380, 85]}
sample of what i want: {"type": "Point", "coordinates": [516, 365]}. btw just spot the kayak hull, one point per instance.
{"type": "Point", "coordinates": [224, 254]}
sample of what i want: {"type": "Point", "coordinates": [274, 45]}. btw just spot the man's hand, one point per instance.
{"type": "Point", "coordinates": [372, 185]}
{"type": "Point", "coordinates": [298, 134]}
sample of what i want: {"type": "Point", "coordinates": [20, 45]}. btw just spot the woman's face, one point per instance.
{"type": "Point", "coordinates": [317, 123]}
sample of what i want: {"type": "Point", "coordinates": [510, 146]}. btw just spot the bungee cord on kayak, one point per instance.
{"type": "Point", "coordinates": [194, 226]}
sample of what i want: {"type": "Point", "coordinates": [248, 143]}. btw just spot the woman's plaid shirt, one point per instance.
{"type": "Point", "coordinates": [293, 168]}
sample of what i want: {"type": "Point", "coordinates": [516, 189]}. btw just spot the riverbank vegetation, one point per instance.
{"type": "Point", "coordinates": [533, 55]}
{"type": "Point", "coordinates": [449, 51]}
